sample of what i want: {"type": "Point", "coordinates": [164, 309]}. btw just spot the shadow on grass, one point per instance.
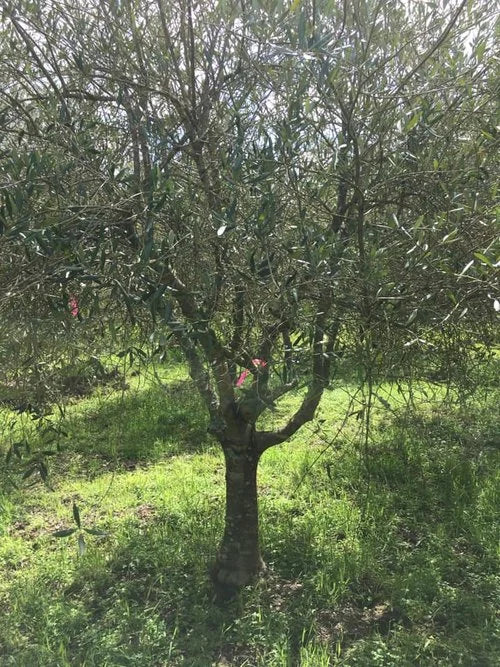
{"type": "Point", "coordinates": [141, 425]}
{"type": "Point", "coordinates": [390, 564]}
{"type": "Point", "coordinates": [384, 584]}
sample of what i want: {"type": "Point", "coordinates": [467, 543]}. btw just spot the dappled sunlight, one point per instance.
{"type": "Point", "coordinates": [249, 351]}
{"type": "Point", "coordinates": [400, 551]}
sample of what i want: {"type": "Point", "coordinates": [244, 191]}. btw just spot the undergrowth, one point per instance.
{"type": "Point", "coordinates": [384, 553]}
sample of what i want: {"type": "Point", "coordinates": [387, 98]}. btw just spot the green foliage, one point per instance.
{"type": "Point", "coordinates": [344, 165]}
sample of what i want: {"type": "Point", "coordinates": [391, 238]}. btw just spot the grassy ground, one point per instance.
{"type": "Point", "coordinates": [381, 554]}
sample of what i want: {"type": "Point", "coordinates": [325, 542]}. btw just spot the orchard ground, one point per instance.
{"type": "Point", "coordinates": [380, 551]}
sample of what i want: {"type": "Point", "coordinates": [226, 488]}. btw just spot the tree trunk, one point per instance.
{"type": "Point", "coordinates": [238, 559]}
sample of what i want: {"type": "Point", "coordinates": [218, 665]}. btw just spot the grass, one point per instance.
{"type": "Point", "coordinates": [378, 555]}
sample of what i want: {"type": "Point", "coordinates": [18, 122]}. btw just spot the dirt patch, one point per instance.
{"type": "Point", "coordinates": [283, 592]}
{"type": "Point", "coordinates": [234, 655]}
{"type": "Point", "coordinates": [352, 623]}
{"type": "Point", "coordinates": [145, 513]}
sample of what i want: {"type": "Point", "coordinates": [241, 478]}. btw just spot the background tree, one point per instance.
{"type": "Point", "coordinates": [265, 181]}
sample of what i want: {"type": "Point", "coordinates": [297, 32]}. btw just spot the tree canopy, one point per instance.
{"type": "Point", "coordinates": [266, 182]}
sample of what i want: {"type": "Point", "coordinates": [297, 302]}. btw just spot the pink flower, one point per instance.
{"type": "Point", "coordinates": [246, 372]}
{"type": "Point", "coordinates": [242, 378]}
{"type": "Point", "coordinates": [73, 306]}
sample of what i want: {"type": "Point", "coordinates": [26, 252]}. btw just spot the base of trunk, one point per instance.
{"type": "Point", "coordinates": [229, 578]}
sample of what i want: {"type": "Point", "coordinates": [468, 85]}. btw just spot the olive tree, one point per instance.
{"type": "Point", "coordinates": [262, 179]}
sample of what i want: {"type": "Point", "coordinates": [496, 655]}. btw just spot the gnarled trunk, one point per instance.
{"type": "Point", "coordinates": [238, 559]}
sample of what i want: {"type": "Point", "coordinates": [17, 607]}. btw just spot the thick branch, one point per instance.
{"type": "Point", "coordinates": [319, 380]}
{"type": "Point", "coordinates": [199, 375]}
{"type": "Point", "coordinates": [212, 348]}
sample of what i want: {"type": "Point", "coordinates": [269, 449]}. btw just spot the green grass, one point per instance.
{"type": "Point", "coordinates": [377, 555]}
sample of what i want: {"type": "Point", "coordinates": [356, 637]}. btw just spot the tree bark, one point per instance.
{"type": "Point", "coordinates": [238, 559]}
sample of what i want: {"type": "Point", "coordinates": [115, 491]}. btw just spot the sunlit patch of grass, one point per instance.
{"type": "Point", "coordinates": [378, 555]}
